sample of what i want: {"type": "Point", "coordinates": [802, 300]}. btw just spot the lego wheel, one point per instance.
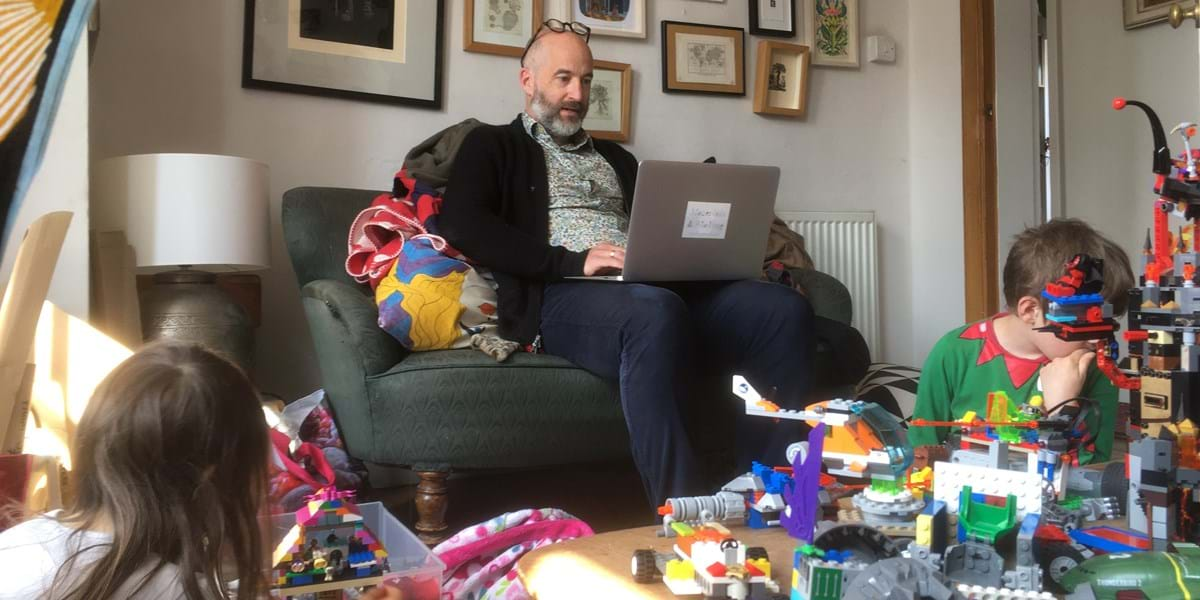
{"type": "Point", "coordinates": [645, 567]}
{"type": "Point", "coordinates": [1056, 558]}
{"type": "Point", "coordinates": [756, 552]}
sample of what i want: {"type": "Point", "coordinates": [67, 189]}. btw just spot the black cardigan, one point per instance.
{"type": "Point", "coordinates": [496, 210]}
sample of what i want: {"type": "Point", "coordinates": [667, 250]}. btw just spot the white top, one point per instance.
{"type": "Point", "coordinates": [32, 552]}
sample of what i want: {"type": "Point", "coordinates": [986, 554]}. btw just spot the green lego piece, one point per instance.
{"type": "Point", "coordinates": [682, 529]}
{"type": "Point", "coordinates": [811, 550]}
{"type": "Point", "coordinates": [887, 486]}
{"type": "Point", "coordinates": [826, 584]}
{"type": "Point", "coordinates": [984, 522]}
{"type": "Point", "coordinates": [1153, 575]}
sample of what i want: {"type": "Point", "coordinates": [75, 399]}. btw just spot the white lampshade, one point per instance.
{"type": "Point", "coordinates": [202, 210]}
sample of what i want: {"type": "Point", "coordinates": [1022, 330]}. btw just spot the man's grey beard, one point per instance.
{"type": "Point", "coordinates": [550, 118]}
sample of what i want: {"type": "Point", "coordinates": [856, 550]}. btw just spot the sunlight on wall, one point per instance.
{"type": "Point", "coordinates": [71, 359]}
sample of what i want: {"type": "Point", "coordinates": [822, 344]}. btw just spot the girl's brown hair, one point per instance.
{"type": "Point", "coordinates": [171, 456]}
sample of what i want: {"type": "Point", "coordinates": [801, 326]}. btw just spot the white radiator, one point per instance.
{"type": "Point", "coordinates": [843, 244]}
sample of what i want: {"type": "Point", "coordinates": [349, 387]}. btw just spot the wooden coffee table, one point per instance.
{"type": "Point", "coordinates": [599, 566]}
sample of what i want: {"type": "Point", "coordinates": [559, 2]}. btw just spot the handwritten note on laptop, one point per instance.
{"type": "Point", "coordinates": [707, 220]}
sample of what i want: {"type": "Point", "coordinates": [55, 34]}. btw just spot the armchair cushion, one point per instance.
{"type": "Point", "coordinates": [462, 408]}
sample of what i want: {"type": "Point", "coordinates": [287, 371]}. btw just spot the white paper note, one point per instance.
{"type": "Point", "coordinates": [707, 220]}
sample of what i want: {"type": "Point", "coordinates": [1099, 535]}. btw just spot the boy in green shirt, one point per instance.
{"type": "Point", "coordinates": [1007, 353]}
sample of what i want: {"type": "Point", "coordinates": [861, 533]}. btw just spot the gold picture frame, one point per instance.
{"type": "Point", "coordinates": [1139, 13]}
{"type": "Point", "coordinates": [703, 59]}
{"type": "Point", "coordinates": [504, 31]}
{"type": "Point", "coordinates": [781, 79]}
{"type": "Point", "coordinates": [609, 109]}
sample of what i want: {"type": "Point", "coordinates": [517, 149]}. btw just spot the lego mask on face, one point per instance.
{"type": "Point", "coordinates": [1050, 346]}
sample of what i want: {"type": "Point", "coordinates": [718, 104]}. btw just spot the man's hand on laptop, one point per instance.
{"type": "Point", "coordinates": [604, 258]}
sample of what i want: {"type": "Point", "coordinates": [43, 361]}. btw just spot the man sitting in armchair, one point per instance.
{"type": "Point", "coordinates": [539, 200]}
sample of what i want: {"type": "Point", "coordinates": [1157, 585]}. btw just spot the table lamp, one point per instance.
{"type": "Point", "coordinates": [189, 217]}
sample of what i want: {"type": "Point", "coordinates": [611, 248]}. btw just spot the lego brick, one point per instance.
{"type": "Point", "coordinates": [949, 479]}
{"type": "Point", "coordinates": [1111, 539]}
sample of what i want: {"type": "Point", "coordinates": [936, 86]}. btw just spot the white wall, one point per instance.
{"type": "Point", "coordinates": [1017, 145]}
{"type": "Point", "coordinates": [934, 302]}
{"type": "Point", "coordinates": [1107, 154]}
{"type": "Point", "coordinates": [61, 183]}
{"type": "Point", "coordinates": [166, 78]}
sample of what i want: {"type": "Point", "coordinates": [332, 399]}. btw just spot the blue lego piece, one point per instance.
{"type": "Point", "coordinates": [1073, 300]}
{"type": "Point", "coordinates": [934, 507]}
{"type": "Point", "coordinates": [754, 520]}
{"type": "Point", "coordinates": [1030, 524]}
{"type": "Point", "coordinates": [837, 556]}
{"type": "Point", "coordinates": [300, 579]}
{"type": "Point", "coordinates": [1091, 540]}
{"type": "Point", "coordinates": [1062, 318]}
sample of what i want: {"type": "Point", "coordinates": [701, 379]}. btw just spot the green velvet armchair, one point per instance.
{"type": "Point", "coordinates": [448, 409]}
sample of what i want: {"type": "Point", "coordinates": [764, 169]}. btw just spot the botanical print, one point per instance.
{"type": "Point", "coordinates": [601, 101]}
{"type": "Point", "coordinates": [605, 10]}
{"type": "Point", "coordinates": [833, 28]}
{"type": "Point", "coordinates": [705, 59]}
{"type": "Point", "coordinates": [777, 80]}
{"type": "Point", "coordinates": [504, 16]}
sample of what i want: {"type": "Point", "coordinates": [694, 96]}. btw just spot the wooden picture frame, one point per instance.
{"type": "Point", "coordinates": [610, 111]}
{"type": "Point", "coordinates": [618, 18]}
{"type": "Point", "coordinates": [775, 18]}
{"type": "Point", "coordinates": [388, 56]}
{"type": "Point", "coordinates": [832, 27]}
{"type": "Point", "coordinates": [781, 80]}
{"type": "Point", "coordinates": [703, 59]}
{"type": "Point", "coordinates": [1139, 13]}
{"type": "Point", "coordinates": [503, 33]}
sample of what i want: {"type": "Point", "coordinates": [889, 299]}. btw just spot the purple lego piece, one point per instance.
{"type": "Point", "coordinates": [801, 499]}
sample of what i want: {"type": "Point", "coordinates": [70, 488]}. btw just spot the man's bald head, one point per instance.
{"type": "Point", "coordinates": [557, 79]}
{"type": "Point", "coordinates": [548, 41]}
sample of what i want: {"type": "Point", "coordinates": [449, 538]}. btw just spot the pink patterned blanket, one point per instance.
{"type": "Point", "coordinates": [481, 560]}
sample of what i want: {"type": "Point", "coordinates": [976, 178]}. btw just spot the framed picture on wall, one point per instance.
{"type": "Point", "coordinates": [622, 18]}
{"type": "Point", "coordinates": [833, 32]}
{"type": "Point", "coordinates": [773, 17]}
{"type": "Point", "coordinates": [707, 59]}
{"type": "Point", "coordinates": [610, 102]}
{"type": "Point", "coordinates": [1139, 13]}
{"type": "Point", "coordinates": [500, 26]}
{"type": "Point", "coordinates": [781, 79]}
{"type": "Point", "coordinates": [375, 50]}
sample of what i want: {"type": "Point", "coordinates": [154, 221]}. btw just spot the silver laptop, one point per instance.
{"type": "Point", "coordinates": [698, 222]}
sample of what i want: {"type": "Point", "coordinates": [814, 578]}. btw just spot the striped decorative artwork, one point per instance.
{"type": "Point", "coordinates": [37, 39]}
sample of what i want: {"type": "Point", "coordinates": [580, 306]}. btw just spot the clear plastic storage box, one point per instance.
{"type": "Point", "coordinates": [411, 566]}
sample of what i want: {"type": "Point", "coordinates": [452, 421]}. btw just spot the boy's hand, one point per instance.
{"type": "Point", "coordinates": [1063, 378]}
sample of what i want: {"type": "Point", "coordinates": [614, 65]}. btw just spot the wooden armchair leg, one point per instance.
{"type": "Point", "coordinates": [432, 498]}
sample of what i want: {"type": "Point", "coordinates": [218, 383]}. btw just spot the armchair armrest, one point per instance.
{"type": "Point", "coordinates": [828, 296]}
{"type": "Point", "coordinates": [355, 318]}
{"type": "Point", "coordinates": [350, 347]}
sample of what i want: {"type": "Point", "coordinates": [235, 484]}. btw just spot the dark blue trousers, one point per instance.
{"type": "Point", "coordinates": [647, 338]}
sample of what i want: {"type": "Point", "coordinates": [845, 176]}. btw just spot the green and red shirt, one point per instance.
{"type": "Point", "coordinates": [969, 362]}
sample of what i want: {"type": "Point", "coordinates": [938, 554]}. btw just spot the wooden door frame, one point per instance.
{"type": "Point", "coordinates": [980, 224]}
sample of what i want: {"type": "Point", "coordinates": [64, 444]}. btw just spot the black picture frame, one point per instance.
{"type": "Point", "coordinates": [672, 84]}
{"type": "Point", "coordinates": [756, 30]}
{"type": "Point", "coordinates": [432, 101]}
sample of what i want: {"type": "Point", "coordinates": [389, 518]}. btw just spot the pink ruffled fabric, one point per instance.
{"type": "Point", "coordinates": [481, 560]}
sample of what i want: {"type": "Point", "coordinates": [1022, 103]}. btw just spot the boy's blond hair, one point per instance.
{"type": "Point", "coordinates": [1039, 253]}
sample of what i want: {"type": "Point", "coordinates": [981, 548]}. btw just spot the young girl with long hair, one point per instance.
{"type": "Point", "coordinates": [170, 462]}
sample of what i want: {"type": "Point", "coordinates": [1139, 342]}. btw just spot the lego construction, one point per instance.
{"type": "Point", "coordinates": [1007, 506]}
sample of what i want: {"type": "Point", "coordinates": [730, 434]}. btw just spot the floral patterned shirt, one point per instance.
{"type": "Point", "coordinates": [586, 203]}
